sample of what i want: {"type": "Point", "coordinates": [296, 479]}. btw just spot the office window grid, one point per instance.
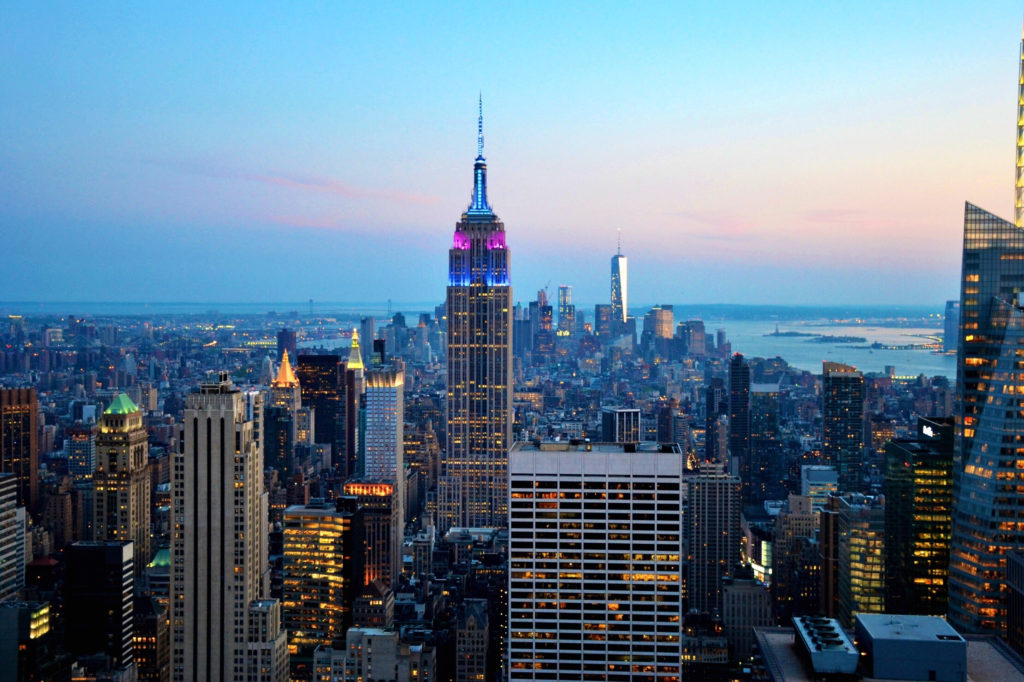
{"type": "Point", "coordinates": [595, 577]}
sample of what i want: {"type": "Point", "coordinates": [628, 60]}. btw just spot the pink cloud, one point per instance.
{"type": "Point", "coordinates": [835, 215]}
{"type": "Point", "coordinates": [306, 222]}
{"type": "Point", "coordinates": [329, 186]}
{"type": "Point", "coordinates": [297, 182]}
{"type": "Point", "coordinates": [724, 225]}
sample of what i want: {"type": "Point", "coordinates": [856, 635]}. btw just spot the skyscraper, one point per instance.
{"type": "Point", "coordinates": [951, 324]}
{"type": "Point", "coordinates": [766, 459]}
{"type": "Point", "coordinates": [566, 311]}
{"type": "Point", "coordinates": [716, 405]}
{"type": "Point", "coordinates": [474, 483]}
{"type": "Point", "coordinates": [860, 568]}
{"type": "Point", "coordinates": [19, 441]}
{"type": "Point", "coordinates": [713, 529]}
{"type": "Point", "coordinates": [843, 423]}
{"type": "Point", "coordinates": [385, 425]}
{"type": "Point", "coordinates": [121, 501]}
{"type": "Point", "coordinates": [603, 323]}
{"type": "Point", "coordinates": [322, 387]}
{"type": "Point", "coordinates": [12, 538]}
{"type": "Point", "coordinates": [987, 511]}
{"type": "Point", "coordinates": [382, 530]}
{"type": "Point", "coordinates": [620, 289]}
{"type": "Point", "coordinates": [219, 539]}
{"type": "Point", "coordinates": [280, 418]}
{"type": "Point", "coordinates": [918, 513]}
{"type": "Point", "coordinates": [99, 600]}
{"type": "Point", "coordinates": [80, 447]}
{"type": "Point", "coordinates": [354, 378]}
{"type": "Point", "coordinates": [739, 422]}
{"type": "Point", "coordinates": [323, 553]}
{"type": "Point", "coordinates": [285, 343]}
{"type": "Point", "coordinates": [606, 601]}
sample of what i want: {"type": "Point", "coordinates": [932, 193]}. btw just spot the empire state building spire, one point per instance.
{"type": "Point", "coordinates": [473, 485]}
{"type": "Point", "coordinates": [478, 206]}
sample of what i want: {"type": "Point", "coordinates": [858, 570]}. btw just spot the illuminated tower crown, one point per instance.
{"type": "Point", "coordinates": [285, 375]}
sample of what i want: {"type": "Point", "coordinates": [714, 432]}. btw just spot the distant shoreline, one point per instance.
{"type": "Point", "coordinates": [712, 313]}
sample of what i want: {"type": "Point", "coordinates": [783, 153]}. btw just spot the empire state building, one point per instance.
{"type": "Point", "coordinates": [473, 488]}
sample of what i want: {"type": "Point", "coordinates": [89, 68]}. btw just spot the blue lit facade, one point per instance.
{"type": "Point", "coordinates": [474, 475]}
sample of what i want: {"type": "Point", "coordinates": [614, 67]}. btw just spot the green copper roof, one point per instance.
{"type": "Point", "coordinates": [122, 405]}
{"type": "Point", "coordinates": [162, 559]}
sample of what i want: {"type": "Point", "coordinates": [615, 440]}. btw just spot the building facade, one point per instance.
{"type": "Point", "coordinates": [713, 529]}
{"type": "Point", "coordinates": [474, 484]}
{"type": "Point", "coordinates": [99, 595]}
{"type": "Point", "coordinates": [219, 544]}
{"type": "Point", "coordinates": [12, 538]}
{"type": "Point", "coordinates": [80, 448]}
{"type": "Point", "coordinates": [121, 492]}
{"type": "Point", "coordinates": [322, 575]}
{"type": "Point", "coordinates": [843, 423]}
{"type": "Point", "coordinates": [739, 421]}
{"type": "Point", "coordinates": [620, 291]}
{"type": "Point", "coordinates": [19, 442]}
{"type": "Point", "coordinates": [384, 439]}
{"type": "Point", "coordinates": [987, 509]}
{"type": "Point", "coordinates": [918, 519]}
{"type": "Point", "coordinates": [595, 561]}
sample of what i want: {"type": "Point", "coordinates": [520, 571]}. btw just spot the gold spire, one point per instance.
{"type": "Point", "coordinates": [285, 375]}
{"type": "Point", "coordinates": [1018, 212]}
{"type": "Point", "coordinates": [355, 358]}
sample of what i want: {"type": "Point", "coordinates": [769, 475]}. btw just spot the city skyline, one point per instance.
{"type": "Point", "coordinates": [854, 140]}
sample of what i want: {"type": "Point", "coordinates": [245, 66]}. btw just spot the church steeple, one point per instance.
{"type": "Point", "coordinates": [478, 206]}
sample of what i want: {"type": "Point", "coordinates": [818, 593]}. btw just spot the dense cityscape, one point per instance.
{"type": "Point", "coordinates": [511, 486]}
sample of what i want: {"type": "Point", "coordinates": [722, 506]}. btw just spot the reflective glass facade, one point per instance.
{"type": "Point", "coordinates": [986, 456]}
{"type": "Point", "coordinates": [988, 518]}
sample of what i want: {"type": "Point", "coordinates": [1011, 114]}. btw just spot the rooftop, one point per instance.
{"type": "Point", "coordinates": [905, 627]}
{"type": "Point", "coordinates": [122, 405]}
{"type": "Point", "coordinates": [589, 446]}
{"type": "Point", "coordinates": [988, 658]}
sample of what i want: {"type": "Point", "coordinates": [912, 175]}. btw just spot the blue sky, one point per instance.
{"type": "Point", "coordinates": [791, 153]}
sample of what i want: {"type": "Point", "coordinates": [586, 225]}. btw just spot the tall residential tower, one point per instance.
{"type": "Point", "coordinates": [474, 482]}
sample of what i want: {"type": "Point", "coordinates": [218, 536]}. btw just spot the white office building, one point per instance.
{"type": "Point", "coordinates": [596, 538]}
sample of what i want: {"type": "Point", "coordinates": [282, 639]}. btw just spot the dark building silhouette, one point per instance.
{"type": "Point", "coordinates": [739, 423]}
{"type": "Point", "coordinates": [322, 387]}
{"type": "Point", "coordinates": [843, 423]}
{"type": "Point", "coordinates": [766, 466]}
{"type": "Point", "coordinates": [99, 601]}
{"type": "Point", "coordinates": [918, 519]}
{"type": "Point", "coordinates": [716, 404]}
{"type": "Point", "coordinates": [28, 643]}
{"type": "Point", "coordinates": [19, 442]}
{"type": "Point", "coordinates": [286, 342]}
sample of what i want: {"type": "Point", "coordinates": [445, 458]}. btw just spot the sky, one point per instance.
{"type": "Point", "coordinates": [764, 153]}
